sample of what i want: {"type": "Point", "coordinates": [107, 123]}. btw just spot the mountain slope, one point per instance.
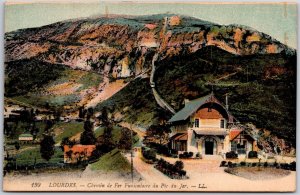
{"type": "Point", "coordinates": [120, 46]}
{"type": "Point", "coordinates": [194, 57]}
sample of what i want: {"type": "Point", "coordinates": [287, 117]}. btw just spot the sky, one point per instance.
{"type": "Point", "coordinates": [278, 20]}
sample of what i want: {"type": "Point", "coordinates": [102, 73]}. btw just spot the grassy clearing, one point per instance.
{"type": "Point", "coordinates": [116, 134]}
{"type": "Point", "coordinates": [27, 157]}
{"type": "Point", "coordinates": [112, 161]}
{"type": "Point", "coordinates": [22, 127]}
{"type": "Point", "coordinates": [68, 130]}
{"type": "Point", "coordinates": [84, 78]}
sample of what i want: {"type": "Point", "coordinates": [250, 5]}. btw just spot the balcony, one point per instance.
{"type": "Point", "coordinates": [210, 131]}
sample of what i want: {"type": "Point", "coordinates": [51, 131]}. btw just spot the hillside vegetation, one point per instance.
{"type": "Point", "coordinates": [63, 64]}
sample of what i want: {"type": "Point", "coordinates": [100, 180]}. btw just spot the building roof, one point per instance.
{"type": "Point", "coordinates": [88, 149]}
{"type": "Point", "coordinates": [180, 137]}
{"type": "Point", "coordinates": [25, 135]}
{"type": "Point", "coordinates": [189, 108]}
{"type": "Point", "coordinates": [234, 133]}
{"type": "Point", "coordinates": [193, 105]}
{"type": "Point", "coordinates": [210, 132]}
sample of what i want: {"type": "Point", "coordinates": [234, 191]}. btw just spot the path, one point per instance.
{"type": "Point", "coordinates": [147, 171]}
{"type": "Point", "coordinates": [207, 171]}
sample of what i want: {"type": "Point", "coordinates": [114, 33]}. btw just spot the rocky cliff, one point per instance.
{"type": "Point", "coordinates": [192, 57]}
{"type": "Point", "coordinates": [123, 46]}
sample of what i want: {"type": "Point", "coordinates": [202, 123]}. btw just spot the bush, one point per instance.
{"type": "Point", "coordinates": [149, 153]}
{"type": "Point", "coordinates": [186, 155]}
{"type": "Point", "coordinates": [231, 155]}
{"type": "Point", "coordinates": [293, 166]}
{"type": "Point", "coordinates": [182, 173]}
{"type": "Point", "coordinates": [178, 165]}
{"type": "Point", "coordinates": [230, 164]}
{"type": "Point", "coordinates": [252, 154]}
{"type": "Point", "coordinates": [223, 163]}
{"type": "Point", "coordinates": [265, 164]}
{"type": "Point", "coordinates": [160, 149]}
{"type": "Point", "coordinates": [243, 164]}
{"type": "Point", "coordinates": [254, 164]}
{"type": "Point", "coordinates": [172, 151]}
{"type": "Point", "coordinates": [171, 170]}
{"type": "Point", "coordinates": [285, 166]}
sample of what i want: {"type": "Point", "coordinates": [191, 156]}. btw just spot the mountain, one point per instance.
{"type": "Point", "coordinates": [123, 44]}
{"type": "Point", "coordinates": [192, 57]}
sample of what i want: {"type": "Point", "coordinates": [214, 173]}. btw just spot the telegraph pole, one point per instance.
{"type": "Point", "coordinates": [131, 158]}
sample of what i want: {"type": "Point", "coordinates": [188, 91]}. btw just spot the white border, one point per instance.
{"type": "Point", "coordinates": [139, 1]}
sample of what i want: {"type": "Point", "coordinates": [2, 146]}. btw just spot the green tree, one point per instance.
{"type": "Point", "coordinates": [104, 116]}
{"type": "Point", "coordinates": [87, 137]}
{"type": "Point", "coordinates": [158, 133]}
{"type": "Point", "coordinates": [47, 147]}
{"type": "Point", "coordinates": [67, 141]}
{"type": "Point", "coordinates": [17, 146]}
{"type": "Point", "coordinates": [107, 134]}
{"type": "Point", "coordinates": [125, 140]}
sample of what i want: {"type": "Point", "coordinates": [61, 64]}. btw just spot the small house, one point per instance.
{"type": "Point", "coordinates": [205, 126]}
{"type": "Point", "coordinates": [26, 138]}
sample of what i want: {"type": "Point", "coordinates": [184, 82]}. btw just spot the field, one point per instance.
{"type": "Point", "coordinates": [68, 89]}
{"type": "Point", "coordinates": [63, 130]}
{"type": "Point", "coordinates": [112, 161]}
{"type": "Point", "coordinates": [32, 156]}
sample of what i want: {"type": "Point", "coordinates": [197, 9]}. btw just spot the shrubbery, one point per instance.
{"type": "Point", "coordinates": [223, 164]}
{"type": "Point", "coordinates": [231, 155]}
{"type": "Point", "coordinates": [149, 153]}
{"type": "Point", "coordinates": [160, 149]}
{"type": "Point", "coordinates": [293, 166]}
{"type": "Point", "coordinates": [198, 155]}
{"type": "Point", "coordinates": [287, 166]}
{"type": "Point", "coordinates": [174, 171]}
{"type": "Point", "coordinates": [186, 155]}
{"type": "Point", "coordinates": [252, 154]}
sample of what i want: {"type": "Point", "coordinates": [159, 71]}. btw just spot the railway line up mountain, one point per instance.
{"type": "Point", "coordinates": [192, 52]}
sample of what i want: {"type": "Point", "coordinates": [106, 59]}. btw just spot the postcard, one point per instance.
{"type": "Point", "coordinates": [150, 96]}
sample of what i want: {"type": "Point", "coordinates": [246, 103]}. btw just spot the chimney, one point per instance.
{"type": "Point", "coordinates": [226, 100]}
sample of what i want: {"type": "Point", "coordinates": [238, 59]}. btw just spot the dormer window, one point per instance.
{"type": "Point", "coordinates": [196, 122]}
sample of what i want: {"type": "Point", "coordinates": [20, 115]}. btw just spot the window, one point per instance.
{"type": "Point", "coordinates": [196, 122]}
{"type": "Point", "coordinates": [233, 146]}
{"type": "Point", "coordinates": [222, 123]}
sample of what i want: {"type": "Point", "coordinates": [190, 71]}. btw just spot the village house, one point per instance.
{"type": "Point", "coordinates": [205, 126]}
{"type": "Point", "coordinates": [77, 153]}
{"type": "Point", "coordinates": [25, 138]}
